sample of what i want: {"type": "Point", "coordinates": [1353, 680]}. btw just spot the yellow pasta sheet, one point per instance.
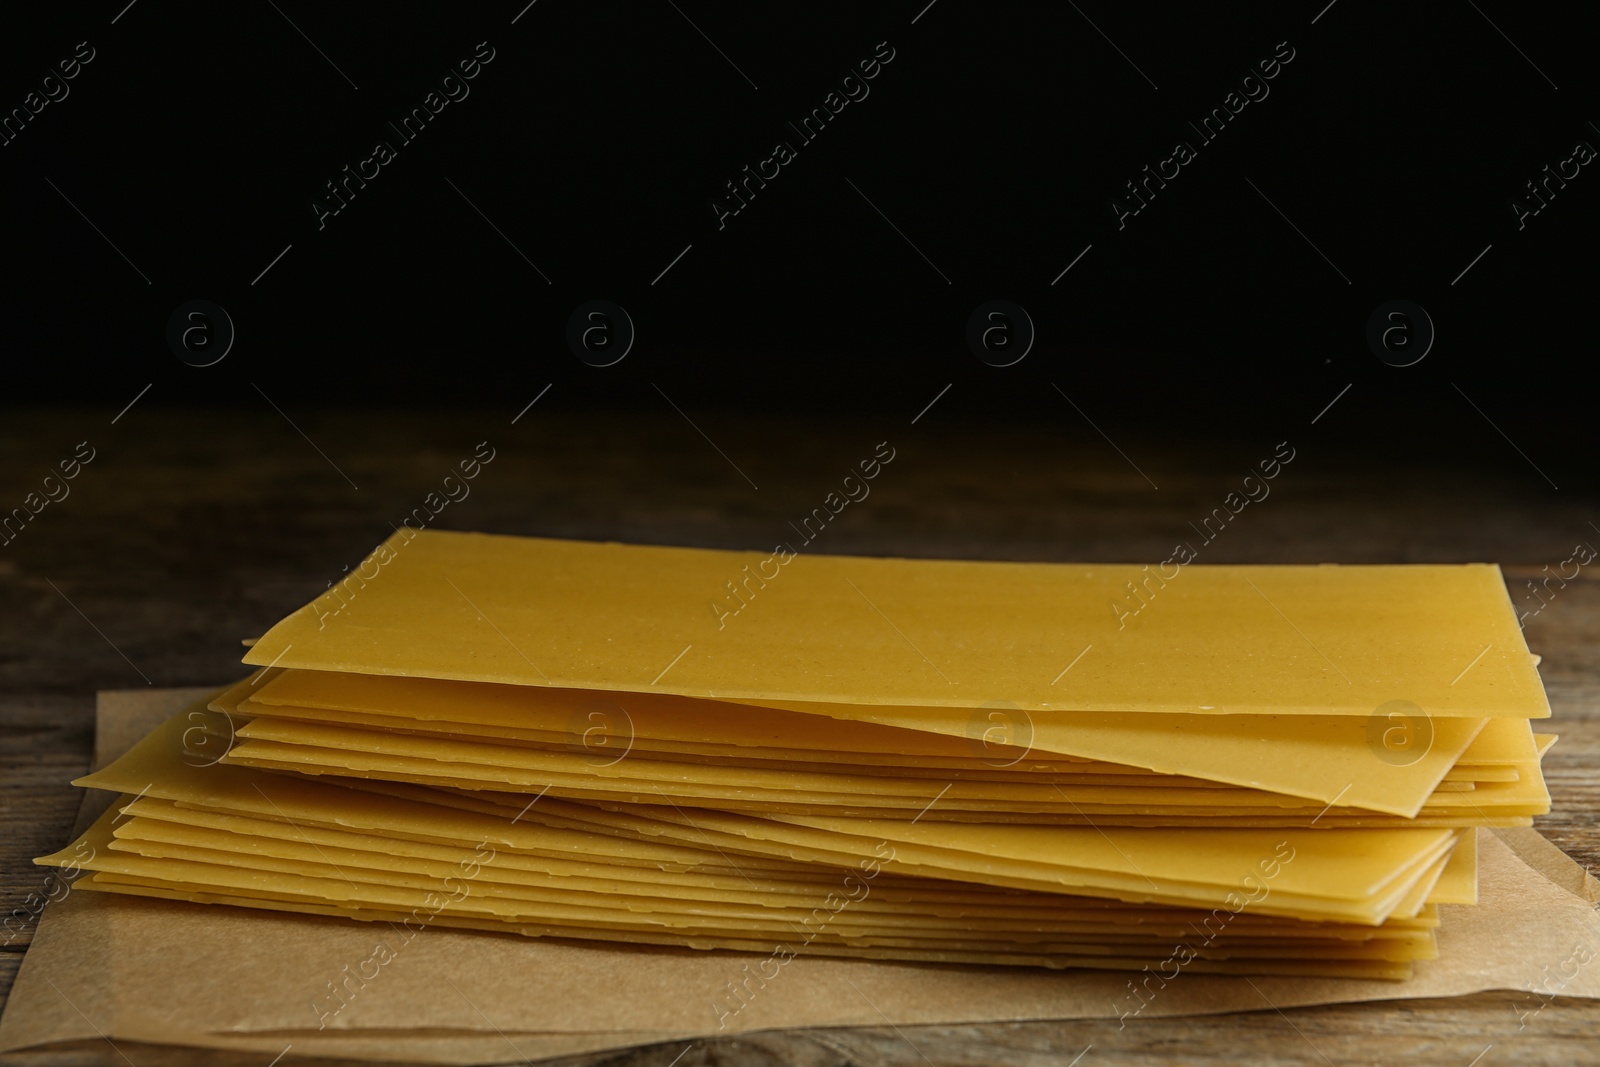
{"type": "Point", "coordinates": [647, 781]}
{"type": "Point", "coordinates": [1061, 859]}
{"type": "Point", "coordinates": [605, 739]}
{"type": "Point", "coordinates": [1316, 757]}
{"type": "Point", "coordinates": [1353, 875]}
{"type": "Point", "coordinates": [875, 899]}
{"type": "Point", "coordinates": [1315, 640]}
{"type": "Point", "coordinates": [582, 768]}
{"type": "Point", "coordinates": [590, 912]}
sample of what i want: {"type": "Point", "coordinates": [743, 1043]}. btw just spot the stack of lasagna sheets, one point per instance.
{"type": "Point", "coordinates": [1240, 770]}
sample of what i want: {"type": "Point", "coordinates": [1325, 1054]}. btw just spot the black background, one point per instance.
{"type": "Point", "coordinates": [995, 140]}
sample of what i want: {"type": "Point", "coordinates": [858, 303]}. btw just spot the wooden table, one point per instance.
{"type": "Point", "coordinates": [190, 531]}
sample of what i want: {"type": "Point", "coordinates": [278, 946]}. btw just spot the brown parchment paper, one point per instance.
{"type": "Point", "coordinates": [225, 977]}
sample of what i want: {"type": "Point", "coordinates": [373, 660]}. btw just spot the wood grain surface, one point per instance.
{"type": "Point", "coordinates": [190, 531]}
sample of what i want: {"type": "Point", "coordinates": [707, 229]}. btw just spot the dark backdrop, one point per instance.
{"type": "Point", "coordinates": [1382, 162]}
